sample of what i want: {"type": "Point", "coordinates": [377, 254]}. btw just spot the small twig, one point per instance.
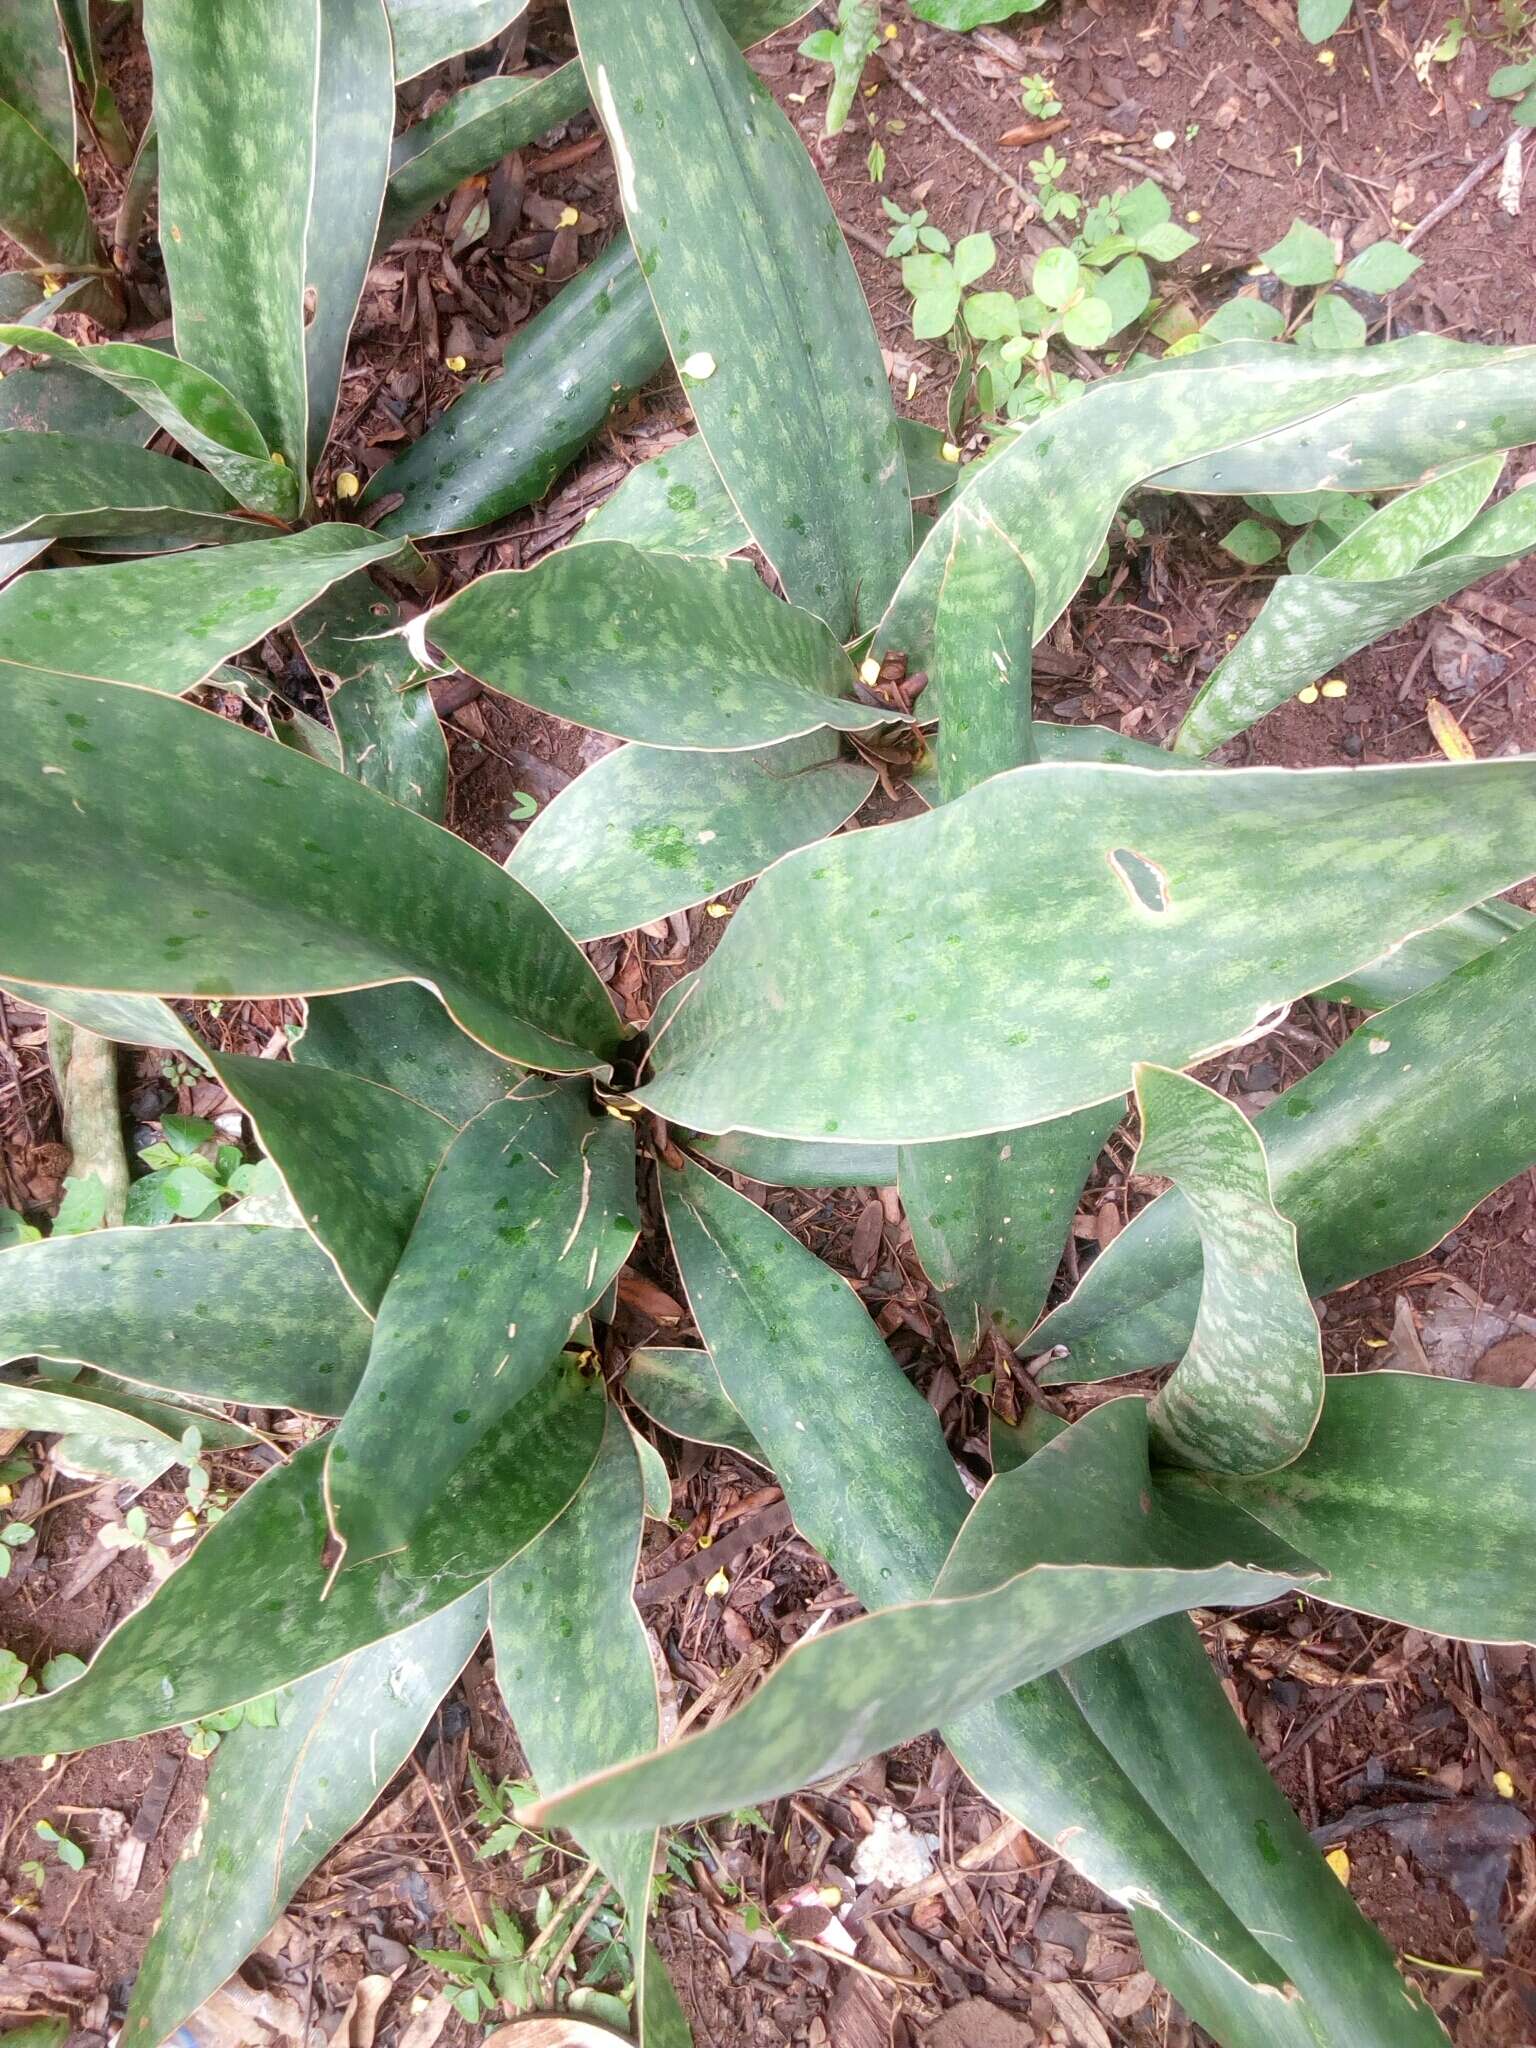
{"type": "Point", "coordinates": [568, 1945]}
{"type": "Point", "coordinates": [1367, 36]}
{"type": "Point", "coordinates": [451, 1846]}
{"type": "Point", "coordinates": [1468, 185]}
{"type": "Point", "coordinates": [1172, 177]}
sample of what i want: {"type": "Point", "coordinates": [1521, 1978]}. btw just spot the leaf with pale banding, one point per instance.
{"type": "Point", "coordinates": [42, 204]}
{"type": "Point", "coordinates": [1013, 953]}
{"type": "Point", "coordinates": [759, 300]}
{"type": "Point", "coordinates": [649, 830]}
{"type": "Point", "coordinates": [250, 1609]}
{"type": "Point", "coordinates": [522, 1229]}
{"type": "Point", "coordinates": [384, 718]}
{"type": "Point", "coordinates": [429, 32]}
{"type": "Point", "coordinates": [659, 648]}
{"type": "Point", "coordinates": [681, 1391]}
{"type": "Point", "coordinates": [305, 882]}
{"type": "Point", "coordinates": [65, 485]}
{"type": "Point", "coordinates": [401, 1036]}
{"type": "Point", "coordinates": [1374, 1155]}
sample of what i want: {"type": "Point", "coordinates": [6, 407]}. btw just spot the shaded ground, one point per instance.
{"type": "Point", "coordinates": [1002, 1945]}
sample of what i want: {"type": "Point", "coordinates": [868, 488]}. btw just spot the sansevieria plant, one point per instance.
{"type": "Point", "coordinates": [472, 1141]}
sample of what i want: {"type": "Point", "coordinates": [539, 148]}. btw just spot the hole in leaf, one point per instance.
{"type": "Point", "coordinates": [1145, 882]}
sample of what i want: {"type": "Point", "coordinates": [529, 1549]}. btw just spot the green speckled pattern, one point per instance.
{"type": "Point", "coordinates": [1004, 969]}
{"type": "Point", "coordinates": [1374, 1155]}
{"type": "Point", "coordinates": [758, 299]}
{"type": "Point", "coordinates": [528, 1219]}
{"type": "Point", "coordinates": [235, 104]}
{"type": "Point", "coordinates": [1247, 1393]}
{"type": "Point", "coordinates": [248, 1610]}
{"type": "Point", "coordinates": [68, 484]}
{"type": "Point", "coordinates": [42, 205]}
{"type": "Point", "coordinates": [659, 648]}
{"type": "Point", "coordinates": [278, 1799]}
{"type": "Point", "coordinates": [232, 1311]}
{"type": "Point", "coordinates": [304, 882]}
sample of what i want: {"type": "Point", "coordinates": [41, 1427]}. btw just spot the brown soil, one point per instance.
{"type": "Point", "coordinates": [1009, 1948]}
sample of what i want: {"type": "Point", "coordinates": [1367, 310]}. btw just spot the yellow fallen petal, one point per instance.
{"type": "Point", "coordinates": [1327, 58]}
{"type": "Point", "coordinates": [1335, 687]}
{"type": "Point", "coordinates": [1504, 1784]}
{"type": "Point", "coordinates": [700, 366]}
{"type": "Point", "coordinates": [1338, 1862]}
{"type": "Point", "coordinates": [949, 452]}
{"type": "Point", "coordinates": [1308, 695]}
{"type": "Point", "coordinates": [347, 485]}
{"type": "Point", "coordinates": [568, 217]}
{"type": "Point", "coordinates": [1449, 737]}
{"type": "Point", "coordinates": [869, 672]}
{"type": "Point", "coordinates": [718, 1586]}
{"type": "Point", "coordinates": [455, 363]}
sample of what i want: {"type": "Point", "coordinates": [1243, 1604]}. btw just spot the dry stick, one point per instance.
{"type": "Point", "coordinates": [568, 1945]}
{"type": "Point", "coordinates": [1469, 184]}
{"type": "Point", "coordinates": [1362, 15]}
{"type": "Point", "coordinates": [452, 1848]}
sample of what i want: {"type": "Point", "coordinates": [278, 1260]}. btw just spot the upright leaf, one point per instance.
{"type": "Point", "coordinates": [286, 847]}
{"type": "Point", "coordinates": [195, 408]}
{"type": "Point", "coordinates": [659, 648]}
{"type": "Point", "coordinates": [983, 630]}
{"type": "Point", "coordinates": [1357, 593]}
{"type": "Point", "coordinates": [1014, 952]}
{"type": "Point", "coordinates": [104, 116]}
{"type": "Point", "coordinates": [574, 1664]}
{"type": "Point", "coordinates": [522, 1229]}
{"type": "Point", "coordinates": [649, 830]}
{"type": "Point", "coordinates": [383, 714]}
{"type": "Point", "coordinates": [167, 624]}
{"type": "Point", "coordinates": [354, 117]}
{"type": "Point", "coordinates": [34, 71]}
{"type": "Point", "coordinates": [759, 301]}
{"type": "Point", "coordinates": [250, 1608]}
{"type": "Point", "coordinates": [240, 1312]}
{"type": "Point", "coordinates": [235, 102]}
{"type": "Point", "coordinates": [1249, 1389]}
{"type": "Point", "coordinates": [1374, 1155]}
{"type": "Point", "coordinates": [280, 1798]}
{"type": "Point", "coordinates": [42, 204]}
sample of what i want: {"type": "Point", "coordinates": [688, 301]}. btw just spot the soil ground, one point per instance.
{"type": "Point", "coordinates": [1003, 1945]}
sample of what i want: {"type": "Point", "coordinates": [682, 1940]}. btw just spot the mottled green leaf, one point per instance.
{"type": "Point", "coordinates": [67, 484]}
{"type": "Point", "coordinates": [681, 1391]}
{"type": "Point", "coordinates": [235, 97]}
{"type": "Point", "coordinates": [1376, 579]}
{"type": "Point", "coordinates": [675, 652]}
{"type": "Point", "coordinates": [522, 1229]}
{"type": "Point", "coordinates": [574, 1663]}
{"type": "Point", "coordinates": [250, 1608]}
{"type": "Point", "coordinates": [400, 1036]}
{"type": "Point", "coordinates": [786, 1163]}
{"type": "Point", "coordinates": [55, 398]}
{"type": "Point", "coordinates": [427, 32]}
{"type": "Point", "coordinates": [384, 718]}
{"type": "Point", "coordinates": [649, 830]}
{"type": "Point", "coordinates": [1057, 1557]}
{"type": "Point", "coordinates": [104, 116]}
{"type": "Point", "coordinates": [989, 1217]}
{"type": "Point", "coordinates": [1029, 1751]}
{"type": "Point", "coordinates": [983, 629]}
{"type": "Point", "coordinates": [1429, 956]}
{"type": "Point", "coordinates": [1154, 1701]}
{"type": "Point", "coordinates": [278, 1799]}
{"type": "Point", "coordinates": [1418, 1497]}
{"type": "Point", "coordinates": [194, 407]}
{"type": "Point", "coordinates": [42, 205]}
{"type": "Point", "coordinates": [1245, 417]}
{"type": "Point", "coordinates": [759, 301]}
{"type": "Point", "coordinates": [92, 1406]}
{"type": "Point", "coordinates": [305, 883]}
{"type": "Point", "coordinates": [233, 1311]}
{"type": "Point", "coordinates": [493, 452]}
{"type": "Point", "coordinates": [1090, 917]}
{"type": "Point", "coordinates": [1248, 1391]}
{"type": "Point", "coordinates": [1374, 1156]}
{"type": "Point", "coordinates": [34, 71]}
{"type": "Point", "coordinates": [167, 624]}
{"type": "Point", "coordinates": [354, 117]}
